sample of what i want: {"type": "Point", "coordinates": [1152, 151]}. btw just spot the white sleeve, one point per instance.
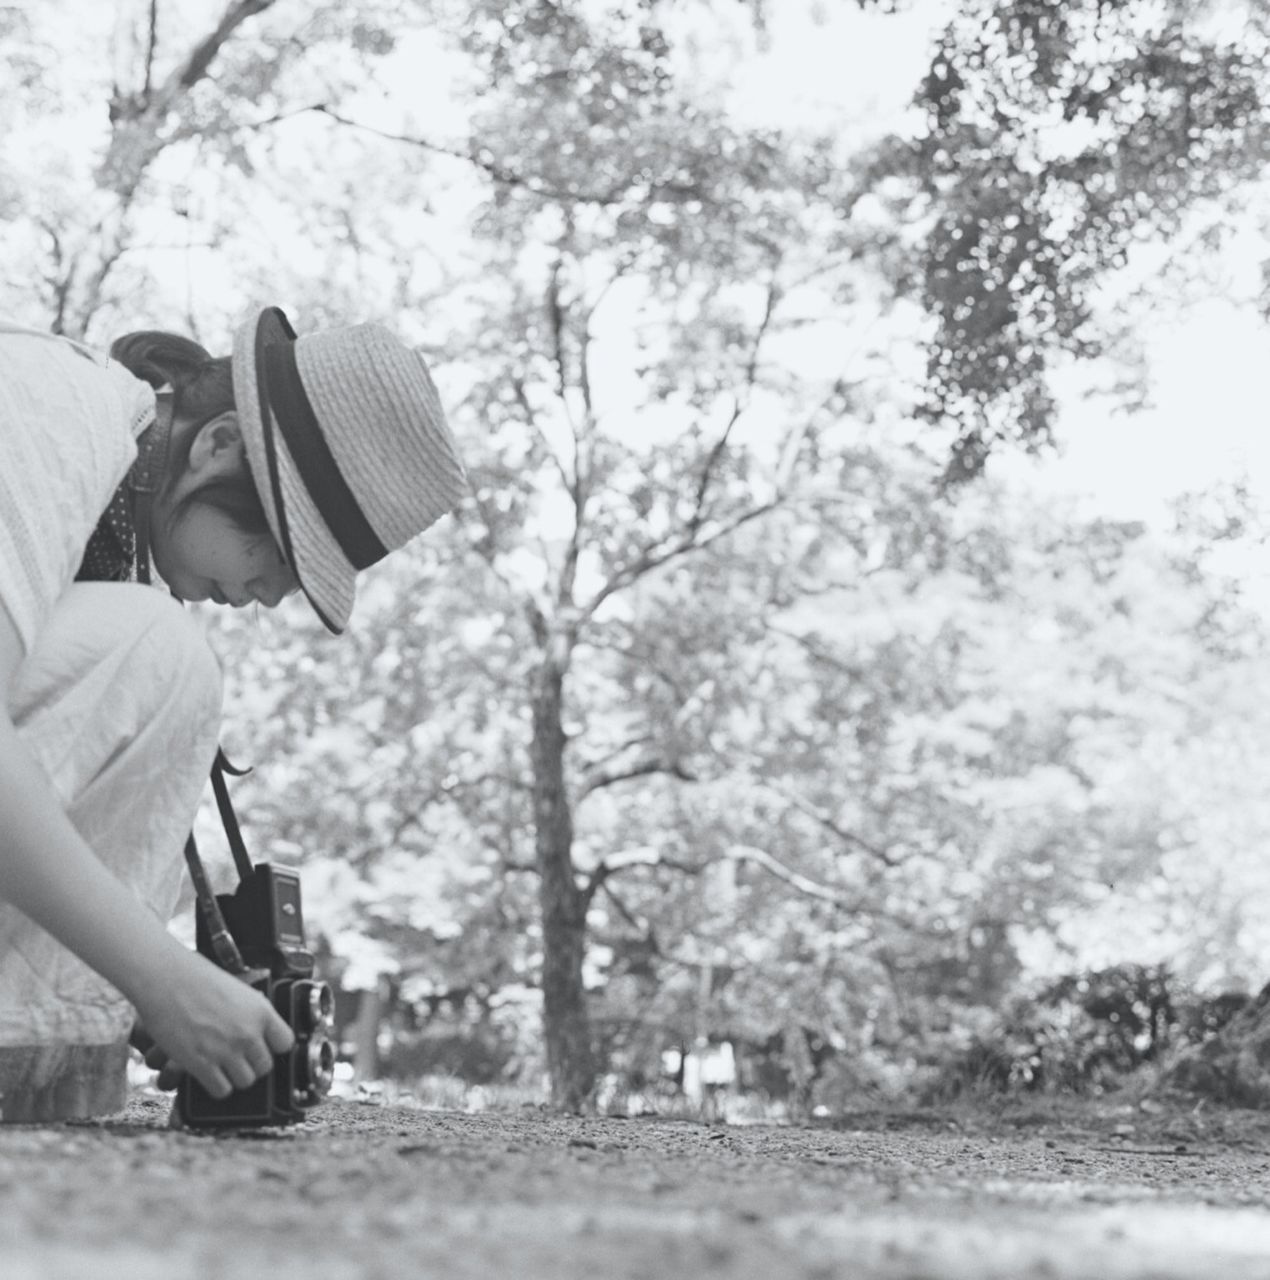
{"type": "Point", "coordinates": [68, 422]}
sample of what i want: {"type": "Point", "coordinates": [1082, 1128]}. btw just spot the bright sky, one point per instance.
{"type": "Point", "coordinates": [1206, 422]}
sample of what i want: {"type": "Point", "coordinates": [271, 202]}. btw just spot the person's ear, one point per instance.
{"type": "Point", "coordinates": [217, 447]}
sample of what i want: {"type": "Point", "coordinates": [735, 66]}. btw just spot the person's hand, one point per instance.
{"type": "Point", "coordinates": [200, 1019]}
{"type": "Point", "coordinates": [155, 1058]}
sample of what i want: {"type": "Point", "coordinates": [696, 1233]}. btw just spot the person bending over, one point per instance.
{"type": "Point", "coordinates": [288, 466]}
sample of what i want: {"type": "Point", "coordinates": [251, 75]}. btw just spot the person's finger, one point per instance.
{"type": "Point", "coordinates": [140, 1039]}
{"type": "Point", "coordinates": [156, 1059]}
{"type": "Point", "coordinates": [169, 1079]}
{"type": "Point", "coordinates": [278, 1036]}
{"type": "Point", "coordinates": [261, 1060]}
{"type": "Point", "coordinates": [240, 1073]}
{"type": "Point", "coordinates": [215, 1081]}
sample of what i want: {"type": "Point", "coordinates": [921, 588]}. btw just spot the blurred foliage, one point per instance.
{"type": "Point", "coordinates": [952, 784]}
{"type": "Point", "coordinates": [1228, 1061]}
{"type": "Point", "coordinates": [1057, 136]}
{"type": "Point", "coordinates": [1089, 1033]}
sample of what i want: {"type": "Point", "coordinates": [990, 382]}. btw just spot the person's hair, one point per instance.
{"type": "Point", "coordinates": [202, 389]}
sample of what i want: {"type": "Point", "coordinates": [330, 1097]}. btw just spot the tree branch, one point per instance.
{"type": "Point", "coordinates": [531, 417]}
{"type": "Point", "coordinates": [138, 132]}
{"type": "Point", "coordinates": [62, 279]}
{"type": "Point", "coordinates": [204, 53]}
{"type": "Point", "coordinates": [499, 173]}
{"type": "Point", "coordinates": [153, 105]}
{"type": "Point", "coordinates": [660, 553]}
{"type": "Point", "coordinates": [653, 558]}
{"type": "Point", "coordinates": [151, 45]}
{"type": "Point", "coordinates": [558, 322]}
{"type": "Point", "coordinates": [105, 265]}
{"type": "Point", "coordinates": [703, 482]}
{"type": "Point", "coordinates": [740, 404]}
{"type": "Point", "coordinates": [555, 318]}
{"type": "Point", "coordinates": [641, 925]}
{"type": "Point", "coordinates": [642, 856]}
{"type": "Point", "coordinates": [814, 649]}
{"type": "Point", "coordinates": [638, 741]}
{"type": "Point", "coordinates": [607, 777]}
{"type": "Point", "coordinates": [648, 856]}
{"type": "Point", "coordinates": [803, 884]}
{"type": "Point", "coordinates": [823, 819]}
{"type": "Point", "coordinates": [483, 545]}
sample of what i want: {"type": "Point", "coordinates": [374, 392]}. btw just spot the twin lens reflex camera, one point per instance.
{"type": "Point", "coordinates": [264, 920]}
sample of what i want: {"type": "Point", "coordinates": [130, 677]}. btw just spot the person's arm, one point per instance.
{"type": "Point", "coordinates": [209, 1023]}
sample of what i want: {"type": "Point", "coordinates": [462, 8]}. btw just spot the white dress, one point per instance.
{"type": "Point", "coordinates": [118, 695]}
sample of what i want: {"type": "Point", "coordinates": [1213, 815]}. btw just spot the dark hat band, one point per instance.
{"type": "Point", "coordinates": [289, 407]}
{"type": "Point", "coordinates": [271, 449]}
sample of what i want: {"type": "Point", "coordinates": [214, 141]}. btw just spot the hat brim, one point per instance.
{"type": "Point", "coordinates": [326, 577]}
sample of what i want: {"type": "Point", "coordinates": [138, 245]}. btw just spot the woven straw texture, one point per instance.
{"type": "Point", "coordinates": [383, 422]}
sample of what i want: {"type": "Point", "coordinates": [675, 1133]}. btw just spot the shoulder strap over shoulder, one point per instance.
{"type": "Point", "coordinates": [146, 476]}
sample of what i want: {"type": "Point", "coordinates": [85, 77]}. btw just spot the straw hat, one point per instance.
{"type": "Point", "coordinates": [348, 446]}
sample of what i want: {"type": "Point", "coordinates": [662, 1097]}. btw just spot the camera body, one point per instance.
{"type": "Point", "coordinates": [265, 920]}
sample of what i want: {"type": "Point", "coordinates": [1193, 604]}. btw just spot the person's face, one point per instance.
{"type": "Point", "coordinates": [208, 557]}
{"type": "Point", "coordinates": [199, 550]}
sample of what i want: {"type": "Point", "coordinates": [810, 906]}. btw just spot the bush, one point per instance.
{"type": "Point", "coordinates": [1083, 1033]}
{"type": "Point", "coordinates": [1205, 1017]}
{"type": "Point", "coordinates": [1227, 1055]}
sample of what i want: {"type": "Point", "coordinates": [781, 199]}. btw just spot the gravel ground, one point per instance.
{"type": "Point", "coordinates": [370, 1191]}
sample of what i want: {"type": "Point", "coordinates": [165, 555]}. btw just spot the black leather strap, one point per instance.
{"type": "Point", "coordinates": [271, 450]}
{"type": "Point", "coordinates": [229, 819]}
{"type": "Point", "coordinates": [149, 472]}
{"type": "Point", "coordinates": [227, 954]}
{"type": "Point", "coordinates": [146, 477]}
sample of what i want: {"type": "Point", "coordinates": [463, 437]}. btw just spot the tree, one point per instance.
{"type": "Point", "coordinates": [607, 178]}
{"type": "Point", "coordinates": [612, 193]}
{"type": "Point", "coordinates": [109, 150]}
{"type": "Point", "coordinates": [957, 747]}
{"type": "Point", "coordinates": [1057, 137]}
{"type": "Point", "coordinates": [848, 783]}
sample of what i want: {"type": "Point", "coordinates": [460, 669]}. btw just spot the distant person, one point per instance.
{"type": "Point", "coordinates": [290, 465]}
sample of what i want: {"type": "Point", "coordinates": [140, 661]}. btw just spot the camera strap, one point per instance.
{"type": "Point", "coordinates": [146, 477]}
{"type": "Point", "coordinates": [145, 482]}
{"type": "Point", "coordinates": [226, 949]}
{"type": "Point", "coordinates": [229, 819]}
{"type": "Point", "coordinates": [227, 954]}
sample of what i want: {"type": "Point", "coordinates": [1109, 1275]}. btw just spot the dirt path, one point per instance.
{"type": "Point", "coordinates": [384, 1192]}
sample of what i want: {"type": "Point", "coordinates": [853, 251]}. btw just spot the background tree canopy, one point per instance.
{"type": "Point", "coordinates": [741, 699]}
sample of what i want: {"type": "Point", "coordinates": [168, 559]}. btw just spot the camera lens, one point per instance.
{"type": "Point", "coordinates": [320, 1067]}
{"type": "Point", "coordinates": [314, 1006]}
{"type": "Point", "coordinates": [322, 1004]}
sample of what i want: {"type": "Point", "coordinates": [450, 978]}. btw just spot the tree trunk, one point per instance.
{"type": "Point", "coordinates": [570, 1062]}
